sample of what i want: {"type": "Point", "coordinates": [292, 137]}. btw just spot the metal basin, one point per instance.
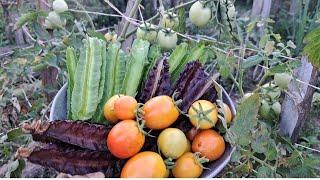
{"type": "Point", "coordinates": [59, 111]}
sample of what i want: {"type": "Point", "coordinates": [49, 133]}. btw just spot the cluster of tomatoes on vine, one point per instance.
{"type": "Point", "coordinates": [164, 34]}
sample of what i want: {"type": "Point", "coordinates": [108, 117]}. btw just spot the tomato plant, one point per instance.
{"type": "Point", "coordinates": [169, 20]}
{"type": "Point", "coordinates": [282, 80]}
{"type": "Point", "coordinates": [59, 6]}
{"type": "Point", "coordinates": [125, 139]}
{"type": "Point", "coordinates": [167, 38]}
{"type": "Point", "coordinates": [144, 165]}
{"type": "Point", "coordinates": [199, 14]}
{"type": "Point", "coordinates": [160, 112]}
{"type": "Point", "coordinates": [147, 32]}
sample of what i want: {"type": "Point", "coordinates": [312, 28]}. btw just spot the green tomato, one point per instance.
{"type": "Point", "coordinates": [167, 39]}
{"type": "Point", "coordinates": [60, 6]}
{"type": "Point", "coordinates": [264, 110]}
{"type": "Point", "coordinates": [276, 107]}
{"type": "Point", "coordinates": [271, 91]}
{"type": "Point", "coordinates": [55, 19]}
{"type": "Point", "coordinates": [172, 143]}
{"type": "Point", "coordinates": [282, 80]}
{"type": "Point", "coordinates": [199, 15]}
{"type": "Point", "coordinates": [48, 24]}
{"type": "Point", "coordinates": [169, 20]}
{"type": "Point", "coordinates": [147, 32]}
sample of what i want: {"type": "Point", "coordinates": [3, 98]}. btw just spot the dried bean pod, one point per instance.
{"type": "Point", "coordinates": [158, 82]}
{"type": "Point", "coordinates": [185, 77]}
{"type": "Point", "coordinates": [72, 161]}
{"type": "Point", "coordinates": [78, 133]}
{"type": "Point", "coordinates": [198, 86]}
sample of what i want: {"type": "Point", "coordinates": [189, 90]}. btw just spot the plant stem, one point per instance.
{"type": "Point", "coordinates": [158, 14]}
{"type": "Point", "coordinates": [132, 13]}
{"type": "Point", "coordinates": [86, 13]}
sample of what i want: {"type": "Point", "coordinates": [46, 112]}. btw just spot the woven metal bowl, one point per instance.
{"type": "Point", "coordinates": [59, 111]}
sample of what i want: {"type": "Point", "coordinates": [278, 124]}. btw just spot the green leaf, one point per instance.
{"type": "Point", "coordinates": [15, 168]}
{"type": "Point", "coordinates": [312, 48]}
{"type": "Point", "coordinates": [291, 45]}
{"type": "Point", "coordinates": [264, 172]}
{"type": "Point", "coordinates": [244, 121]}
{"type": "Point", "coordinates": [135, 67]}
{"type": "Point", "coordinates": [252, 61]}
{"type": "Point", "coordinates": [14, 134]}
{"type": "Point", "coordinates": [177, 56]}
{"type": "Point", "coordinates": [260, 144]}
{"type": "Point", "coordinates": [85, 95]}
{"type": "Point", "coordinates": [285, 67]}
{"type": "Point", "coordinates": [182, 20]}
{"type": "Point", "coordinates": [28, 17]}
{"type": "Point", "coordinates": [194, 54]}
{"type": "Point", "coordinates": [225, 63]}
{"type": "Point", "coordinates": [236, 156]}
{"type": "Point", "coordinates": [96, 34]}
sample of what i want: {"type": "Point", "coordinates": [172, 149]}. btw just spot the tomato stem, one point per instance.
{"type": "Point", "coordinates": [200, 160]}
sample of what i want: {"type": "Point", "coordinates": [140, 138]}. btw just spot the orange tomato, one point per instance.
{"type": "Point", "coordinates": [187, 167]}
{"type": "Point", "coordinates": [125, 139]}
{"type": "Point", "coordinates": [203, 114]}
{"type": "Point", "coordinates": [108, 110]}
{"type": "Point", "coordinates": [125, 107]}
{"type": "Point", "coordinates": [228, 114]}
{"type": "Point", "coordinates": [209, 143]}
{"type": "Point", "coordinates": [160, 112]}
{"type": "Point", "coordinates": [144, 165]}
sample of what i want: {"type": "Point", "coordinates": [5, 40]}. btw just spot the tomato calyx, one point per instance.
{"type": "Point", "coordinates": [178, 102]}
{"type": "Point", "coordinates": [200, 160]}
{"type": "Point", "coordinates": [147, 27]}
{"type": "Point", "coordinates": [169, 163]}
{"type": "Point", "coordinates": [167, 31]}
{"type": "Point", "coordinates": [141, 122]}
{"type": "Point", "coordinates": [201, 114]}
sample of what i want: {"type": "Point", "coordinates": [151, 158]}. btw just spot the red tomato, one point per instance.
{"type": "Point", "coordinates": [125, 139]}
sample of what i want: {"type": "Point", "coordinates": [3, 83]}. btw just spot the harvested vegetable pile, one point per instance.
{"type": "Point", "coordinates": [166, 126]}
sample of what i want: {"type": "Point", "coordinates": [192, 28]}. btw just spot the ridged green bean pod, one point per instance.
{"type": "Point", "coordinates": [114, 75]}
{"type": "Point", "coordinates": [135, 67]}
{"type": "Point", "coordinates": [86, 91]}
{"type": "Point", "coordinates": [71, 62]}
